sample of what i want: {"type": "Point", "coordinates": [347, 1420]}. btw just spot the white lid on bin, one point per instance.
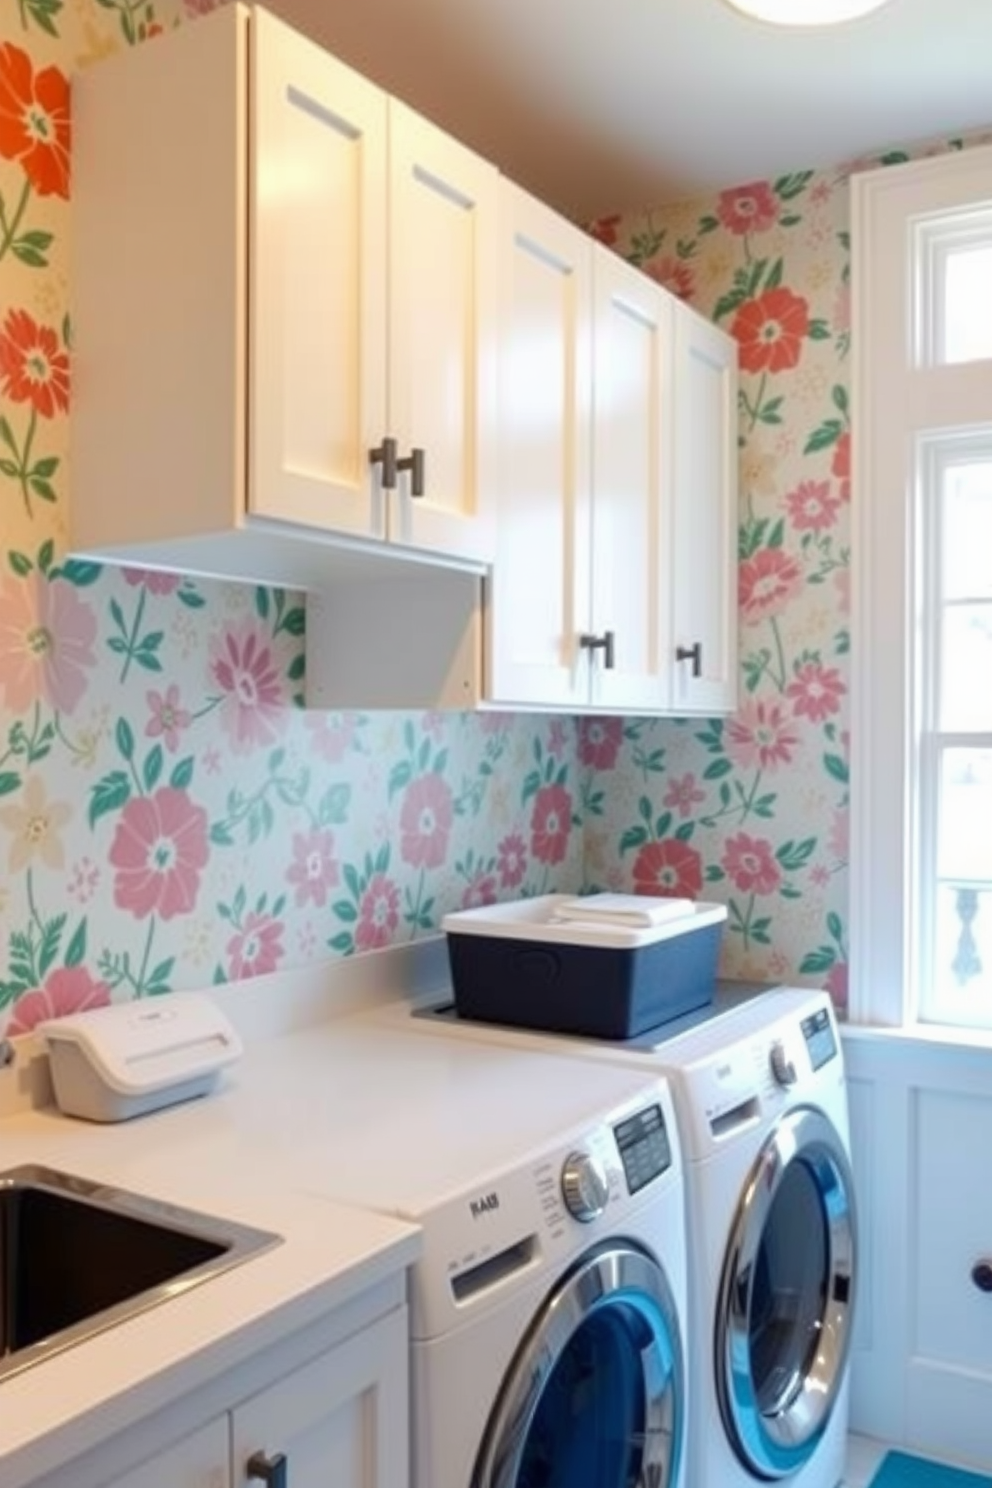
{"type": "Point", "coordinates": [556, 918]}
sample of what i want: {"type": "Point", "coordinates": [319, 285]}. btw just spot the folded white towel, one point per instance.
{"type": "Point", "coordinates": [622, 909]}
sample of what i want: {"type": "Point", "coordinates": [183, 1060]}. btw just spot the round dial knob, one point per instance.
{"type": "Point", "coordinates": [782, 1066]}
{"type": "Point", "coordinates": [584, 1186]}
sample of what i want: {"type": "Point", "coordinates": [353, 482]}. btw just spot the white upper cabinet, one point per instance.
{"type": "Point", "coordinates": [705, 520]}
{"type": "Point", "coordinates": [617, 483]}
{"type": "Point", "coordinates": [300, 339]}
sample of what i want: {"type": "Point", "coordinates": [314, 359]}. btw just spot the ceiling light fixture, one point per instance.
{"type": "Point", "coordinates": [807, 12]}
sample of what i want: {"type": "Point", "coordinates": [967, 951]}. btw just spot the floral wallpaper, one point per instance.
{"type": "Point", "coordinates": [752, 810]}
{"type": "Point", "coordinates": [169, 814]}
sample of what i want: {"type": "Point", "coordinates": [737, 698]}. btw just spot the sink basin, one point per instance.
{"type": "Point", "coordinates": [77, 1257]}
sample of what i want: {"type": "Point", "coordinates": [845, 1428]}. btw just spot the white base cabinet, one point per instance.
{"type": "Point", "coordinates": [340, 1418]}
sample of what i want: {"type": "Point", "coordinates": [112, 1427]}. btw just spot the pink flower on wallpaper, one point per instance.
{"type": "Point", "coordinates": [511, 861]}
{"type": "Point", "coordinates": [494, 722]}
{"type": "Point", "coordinates": [425, 821]}
{"type": "Point", "coordinates": [152, 580]}
{"type": "Point", "coordinates": [842, 585]}
{"type": "Point", "coordinates": [550, 823]}
{"type": "Point", "coordinates": [673, 274]}
{"type": "Point", "coordinates": [70, 989]}
{"type": "Point", "coordinates": [670, 868]}
{"type": "Point", "coordinates": [683, 794]}
{"type": "Point", "coordinates": [256, 948]}
{"type": "Point", "coordinates": [331, 735]}
{"type": "Point", "coordinates": [314, 870]}
{"type": "Point", "coordinates": [254, 707]}
{"type": "Point", "coordinates": [201, 7]}
{"type": "Point", "coordinates": [811, 506]}
{"type": "Point", "coordinates": [558, 739]}
{"type": "Point", "coordinates": [378, 914]}
{"type": "Point", "coordinates": [748, 209]}
{"type": "Point", "coordinates": [480, 891]}
{"type": "Point", "coordinates": [761, 736]}
{"type": "Point", "coordinates": [159, 849]}
{"type": "Point", "coordinates": [816, 691]}
{"type": "Point", "coordinates": [605, 229]}
{"type": "Point", "coordinates": [840, 465]}
{"type": "Point", "coordinates": [768, 582]}
{"type": "Point", "coordinates": [837, 985]}
{"type": "Point", "coordinates": [750, 864]}
{"type": "Point", "coordinates": [167, 717]}
{"type": "Point", "coordinates": [599, 742]}
{"type": "Point", "coordinates": [842, 309]}
{"type": "Point", "coordinates": [770, 331]}
{"type": "Point", "coordinates": [46, 643]}
{"type": "Point", "coordinates": [839, 839]}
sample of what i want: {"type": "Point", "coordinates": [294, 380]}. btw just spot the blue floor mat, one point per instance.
{"type": "Point", "coordinates": [898, 1470]}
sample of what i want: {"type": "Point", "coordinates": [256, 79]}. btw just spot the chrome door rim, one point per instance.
{"type": "Point", "coordinates": [617, 1271]}
{"type": "Point", "coordinates": [775, 1444]}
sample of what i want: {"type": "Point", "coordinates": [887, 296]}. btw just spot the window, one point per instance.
{"type": "Point", "coordinates": [921, 855]}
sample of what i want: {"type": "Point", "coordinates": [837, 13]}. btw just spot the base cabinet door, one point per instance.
{"type": "Point", "coordinates": [201, 1460]}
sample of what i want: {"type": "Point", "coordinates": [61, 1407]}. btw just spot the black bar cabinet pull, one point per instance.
{"type": "Point", "coordinates": [602, 643]}
{"type": "Point", "coordinates": [384, 454]}
{"type": "Point", "coordinates": [272, 1471]}
{"type": "Point", "coordinates": [415, 463]}
{"type": "Point", "coordinates": [981, 1275]}
{"type": "Point", "coordinates": [693, 654]}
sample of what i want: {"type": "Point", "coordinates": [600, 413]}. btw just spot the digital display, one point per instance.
{"type": "Point", "coordinates": [643, 1144]}
{"type": "Point", "coordinates": [818, 1032]}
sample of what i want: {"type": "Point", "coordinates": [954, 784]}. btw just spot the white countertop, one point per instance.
{"type": "Point", "coordinates": [205, 1155]}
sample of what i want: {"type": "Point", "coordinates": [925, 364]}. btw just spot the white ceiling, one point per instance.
{"type": "Point", "coordinates": [600, 106]}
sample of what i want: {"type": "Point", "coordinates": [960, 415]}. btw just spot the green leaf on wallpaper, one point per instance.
{"type": "Point", "coordinates": [711, 737]}
{"type": "Point", "coordinates": [48, 945]}
{"type": "Point", "coordinates": [754, 669]}
{"type": "Point", "coordinates": [332, 808]}
{"type": "Point", "coordinates": [125, 738]}
{"type": "Point", "coordinates": [20, 563]}
{"type": "Point", "coordinates": [838, 394]}
{"type": "Point", "coordinates": [792, 185]}
{"type": "Point", "coordinates": [789, 219]}
{"type": "Point", "coordinates": [42, 12]}
{"type": "Point", "coordinates": [815, 963]}
{"type": "Point", "coordinates": [152, 770]}
{"type": "Point", "coordinates": [750, 278]}
{"type": "Point", "coordinates": [842, 643]}
{"type": "Point", "coordinates": [764, 806]}
{"type": "Point", "coordinates": [818, 330]}
{"type": "Point", "coordinates": [190, 597]}
{"type": "Point", "coordinates": [663, 825]}
{"type": "Point", "coordinates": [776, 536]}
{"type": "Point", "coordinates": [686, 248]}
{"type": "Point", "coordinates": [822, 438]}
{"type": "Point", "coordinates": [7, 436]}
{"type": "Point", "coordinates": [42, 488]}
{"type": "Point", "coordinates": [835, 927]}
{"type": "Point", "coordinates": [787, 891]}
{"type": "Point", "coordinates": [158, 980]}
{"type": "Point", "coordinates": [79, 572]}
{"type": "Point", "coordinates": [440, 762]}
{"type": "Point", "coordinates": [30, 248]}
{"type": "Point", "coordinates": [633, 837]}
{"type": "Point", "coordinates": [342, 942]}
{"type": "Point", "coordinates": [220, 835]}
{"type": "Point", "coordinates": [262, 602]}
{"type": "Point", "coordinates": [644, 809]}
{"type": "Point", "coordinates": [9, 469]}
{"type": "Point", "coordinates": [109, 794]}
{"type": "Point", "coordinates": [46, 554]}
{"type": "Point", "coordinates": [684, 832]}
{"type": "Point", "coordinates": [717, 769]}
{"type": "Point", "coordinates": [770, 412]}
{"type": "Point", "coordinates": [75, 951]}
{"type": "Point", "coordinates": [353, 882]}
{"type": "Point", "coordinates": [708, 224]}
{"type": "Point", "coordinates": [10, 781]}
{"type": "Point", "coordinates": [345, 910]}
{"type": "Point", "coordinates": [758, 931]}
{"type": "Point", "coordinates": [294, 621]}
{"type": "Point", "coordinates": [836, 767]}
{"type": "Point", "coordinates": [532, 784]}
{"type": "Point", "coordinates": [775, 274]}
{"type": "Point", "coordinates": [400, 776]}
{"type": "Point", "coordinates": [728, 303]}
{"type": "Point", "coordinates": [893, 157]}
{"type": "Point", "coordinates": [795, 855]}
{"type": "Point", "coordinates": [296, 670]}
{"type": "Point", "coordinates": [182, 773]}
{"type": "Point", "coordinates": [382, 858]}
{"type": "Point", "coordinates": [409, 738]}
{"type": "Point", "coordinates": [275, 759]}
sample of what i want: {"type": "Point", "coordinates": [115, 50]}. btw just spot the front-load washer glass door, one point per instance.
{"type": "Point", "coordinates": [594, 1397]}
{"type": "Point", "coordinates": [784, 1309]}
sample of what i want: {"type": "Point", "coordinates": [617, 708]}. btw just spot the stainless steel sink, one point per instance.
{"type": "Point", "coordinates": [77, 1257]}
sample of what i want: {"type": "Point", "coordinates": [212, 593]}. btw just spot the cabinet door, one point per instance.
{"type": "Point", "coordinates": [632, 439]}
{"type": "Point", "coordinates": [704, 567]}
{"type": "Point", "coordinates": [340, 1420]}
{"type": "Point", "coordinates": [317, 285]}
{"type": "Point", "coordinates": [200, 1460]}
{"type": "Point", "coordinates": [443, 288]}
{"type": "Point", "coordinates": [539, 591]}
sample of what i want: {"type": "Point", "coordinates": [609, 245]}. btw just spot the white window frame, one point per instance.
{"type": "Point", "coordinates": [901, 397]}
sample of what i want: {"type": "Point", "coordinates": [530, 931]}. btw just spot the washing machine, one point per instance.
{"type": "Point", "coordinates": [547, 1308]}
{"type": "Point", "coordinates": [761, 1103]}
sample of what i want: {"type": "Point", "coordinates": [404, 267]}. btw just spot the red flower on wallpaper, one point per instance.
{"type": "Point", "coordinates": [599, 742]}
{"type": "Point", "coordinates": [550, 823]}
{"type": "Point", "coordinates": [34, 121]}
{"type": "Point", "coordinates": [767, 583]}
{"type": "Point", "coordinates": [840, 465]}
{"type": "Point", "coordinates": [670, 867]}
{"type": "Point", "coordinates": [425, 821]}
{"type": "Point", "coordinates": [770, 331]}
{"type": "Point", "coordinates": [604, 229]}
{"type": "Point", "coordinates": [159, 849]}
{"type": "Point", "coordinates": [33, 367]}
{"type": "Point", "coordinates": [70, 989]}
{"type": "Point", "coordinates": [748, 209]}
{"type": "Point", "coordinates": [811, 506]}
{"type": "Point", "coordinates": [750, 864]}
{"type": "Point", "coordinates": [256, 948]}
{"type": "Point", "coordinates": [673, 274]}
{"type": "Point", "coordinates": [480, 891]}
{"type": "Point", "coordinates": [152, 580]}
{"type": "Point", "coordinates": [816, 691]}
{"type": "Point", "coordinates": [378, 914]}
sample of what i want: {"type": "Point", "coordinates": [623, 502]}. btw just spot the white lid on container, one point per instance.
{"type": "Point", "coordinates": [144, 1046]}
{"type": "Point", "coordinates": [541, 919]}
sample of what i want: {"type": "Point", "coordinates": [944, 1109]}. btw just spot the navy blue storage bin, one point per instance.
{"type": "Point", "coordinates": [514, 964]}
